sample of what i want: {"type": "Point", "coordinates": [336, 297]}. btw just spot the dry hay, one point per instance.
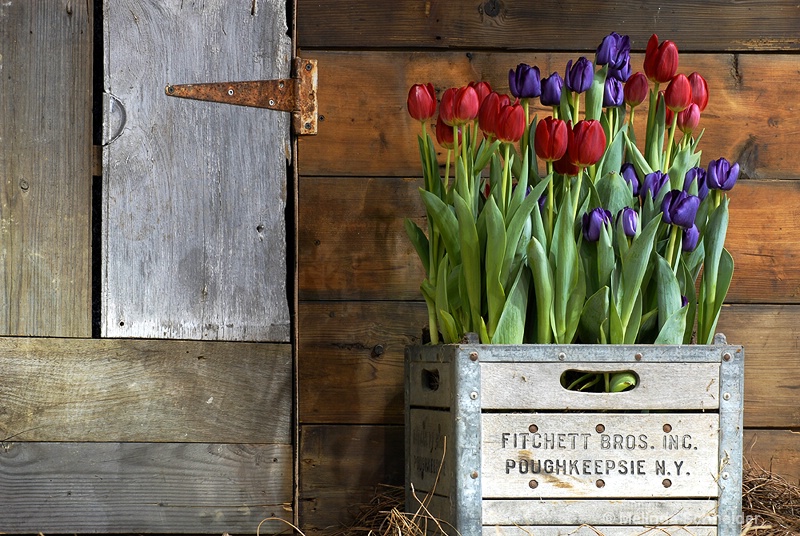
{"type": "Point", "coordinates": [771, 507]}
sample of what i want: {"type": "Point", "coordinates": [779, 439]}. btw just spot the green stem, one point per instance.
{"type": "Point", "coordinates": [550, 206]}
{"type": "Point", "coordinates": [577, 195]}
{"type": "Point", "coordinates": [668, 155]}
{"type": "Point", "coordinates": [673, 235]}
{"type": "Point", "coordinates": [523, 146]}
{"type": "Point", "coordinates": [607, 378]}
{"type": "Point", "coordinates": [505, 186]}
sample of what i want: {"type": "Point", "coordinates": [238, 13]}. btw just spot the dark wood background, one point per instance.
{"type": "Point", "coordinates": [358, 276]}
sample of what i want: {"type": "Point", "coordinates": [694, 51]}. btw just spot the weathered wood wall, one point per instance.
{"type": "Point", "coordinates": [359, 277]}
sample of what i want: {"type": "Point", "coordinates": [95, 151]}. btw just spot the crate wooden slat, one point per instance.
{"type": "Point", "coordinates": [195, 488]}
{"type": "Point", "coordinates": [541, 25]}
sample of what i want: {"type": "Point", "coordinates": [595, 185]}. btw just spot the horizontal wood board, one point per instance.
{"type": "Point", "coordinates": [45, 168]}
{"type": "Point", "coordinates": [144, 487]}
{"type": "Point", "coordinates": [382, 264]}
{"type": "Point", "coordinates": [747, 118]}
{"type": "Point", "coordinates": [195, 193]}
{"type": "Point", "coordinates": [519, 24]}
{"type": "Point", "coordinates": [145, 390]}
{"type": "Point", "coordinates": [346, 465]}
{"type": "Point", "coordinates": [340, 381]}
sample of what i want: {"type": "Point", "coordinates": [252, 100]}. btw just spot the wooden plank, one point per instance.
{"type": "Point", "coordinates": [541, 25]}
{"type": "Point", "coordinates": [145, 390]}
{"type": "Point", "coordinates": [350, 360]}
{"type": "Point", "coordinates": [629, 456]}
{"type": "Point", "coordinates": [594, 530]}
{"type": "Point", "coordinates": [144, 487]}
{"type": "Point", "coordinates": [776, 451]}
{"type": "Point", "coordinates": [746, 119]}
{"type": "Point", "coordinates": [381, 264]}
{"type": "Point", "coordinates": [194, 192]}
{"type": "Point", "coordinates": [45, 165]}
{"type": "Point", "coordinates": [340, 468]}
{"type": "Point", "coordinates": [770, 335]}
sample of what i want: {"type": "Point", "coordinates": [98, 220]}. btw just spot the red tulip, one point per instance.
{"type": "Point", "coordinates": [465, 105]}
{"type": "Point", "coordinates": [482, 88]}
{"type": "Point", "coordinates": [550, 139]}
{"type": "Point", "coordinates": [678, 95]}
{"type": "Point", "coordinates": [636, 89]}
{"type": "Point", "coordinates": [422, 101]}
{"type": "Point", "coordinates": [444, 133]}
{"type": "Point", "coordinates": [699, 90]}
{"type": "Point", "coordinates": [689, 118]}
{"type": "Point", "coordinates": [565, 167]}
{"type": "Point", "coordinates": [490, 111]}
{"type": "Point", "coordinates": [511, 123]}
{"type": "Point", "coordinates": [447, 106]}
{"type": "Point", "coordinates": [587, 143]}
{"type": "Point", "coordinates": [660, 61]}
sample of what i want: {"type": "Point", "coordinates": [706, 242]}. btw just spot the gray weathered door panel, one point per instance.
{"type": "Point", "coordinates": [194, 230]}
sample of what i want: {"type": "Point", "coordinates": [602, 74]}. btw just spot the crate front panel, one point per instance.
{"type": "Point", "coordinates": [603, 455]}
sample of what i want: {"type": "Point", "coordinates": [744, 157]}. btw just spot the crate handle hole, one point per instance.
{"type": "Point", "coordinates": [591, 381]}
{"type": "Point", "coordinates": [430, 379]}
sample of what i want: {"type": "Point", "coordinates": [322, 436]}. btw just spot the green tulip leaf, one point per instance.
{"type": "Point", "coordinates": [594, 96]}
{"type": "Point", "coordinates": [444, 221]}
{"type": "Point", "coordinates": [634, 266]}
{"type": "Point", "coordinates": [613, 157]}
{"type": "Point", "coordinates": [543, 289]}
{"type": "Point", "coordinates": [470, 260]}
{"type": "Point", "coordinates": [614, 193]}
{"type": "Point", "coordinates": [635, 321]}
{"type": "Point", "coordinates": [674, 328]}
{"type": "Point", "coordinates": [511, 327]}
{"type": "Point", "coordinates": [714, 240]}
{"type": "Point", "coordinates": [420, 242]}
{"type": "Point", "coordinates": [669, 292]}
{"type": "Point", "coordinates": [495, 259]}
{"type": "Point", "coordinates": [685, 159]}
{"type": "Point", "coordinates": [593, 317]}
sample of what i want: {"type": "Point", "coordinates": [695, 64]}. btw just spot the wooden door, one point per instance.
{"type": "Point", "coordinates": [180, 418]}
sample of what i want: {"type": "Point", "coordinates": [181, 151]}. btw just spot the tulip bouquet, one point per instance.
{"type": "Point", "coordinates": [565, 229]}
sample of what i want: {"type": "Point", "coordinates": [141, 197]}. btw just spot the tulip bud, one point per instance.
{"type": "Point", "coordinates": [628, 173]}
{"type": "Point", "coordinates": [689, 118]}
{"type": "Point", "coordinates": [444, 133]}
{"type": "Point", "coordinates": [447, 106]}
{"type": "Point", "coordinates": [680, 208]}
{"type": "Point", "coordinates": [653, 182]}
{"type": "Point", "coordinates": [421, 101]}
{"type": "Point", "coordinates": [579, 77]}
{"type": "Point", "coordinates": [551, 90]}
{"type": "Point", "coordinates": [490, 111]}
{"type": "Point", "coordinates": [636, 89]}
{"type": "Point", "coordinates": [511, 123]}
{"type": "Point", "coordinates": [482, 89]}
{"type": "Point", "coordinates": [593, 222]}
{"type": "Point", "coordinates": [678, 95]}
{"type": "Point", "coordinates": [698, 176]}
{"type": "Point", "coordinates": [614, 51]}
{"type": "Point", "coordinates": [587, 143]}
{"type": "Point", "coordinates": [550, 139]}
{"type": "Point", "coordinates": [660, 61]}
{"type": "Point", "coordinates": [524, 82]}
{"type": "Point", "coordinates": [699, 90]}
{"type": "Point", "coordinates": [721, 174]}
{"type": "Point", "coordinates": [691, 237]}
{"type": "Point", "coordinates": [630, 221]}
{"type": "Point", "coordinates": [613, 93]}
{"type": "Point", "coordinates": [465, 105]}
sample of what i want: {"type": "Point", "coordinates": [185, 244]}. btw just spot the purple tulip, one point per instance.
{"type": "Point", "coordinates": [614, 51]}
{"type": "Point", "coordinates": [680, 208]}
{"type": "Point", "coordinates": [684, 301]}
{"type": "Point", "coordinates": [721, 174]}
{"type": "Point", "coordinates": [579, 77]}
{"type": "Point", "coordinates": [630, 221]}
{"type": "Point", "coordinates": [697, 174]}
{"type": "Point", "coordinates": [691, 237]}
{"type": "Point", "coordinates": [524, 81]}
{"type": "Point", "coordinates": [653, 182]}
{"type": "Point", "coordinates": [593, 222]}
{"type": "Point", "coordinates": [613, 93]}
{"type": "Point", "coordinates": [622, 74]}
{"type": "Point", "coordinates": [551, 90]}
{"type": "Point", "coordinates": [628, 173]}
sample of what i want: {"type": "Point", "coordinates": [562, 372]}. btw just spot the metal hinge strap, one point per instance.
{"type": "Point", "coordinates": [297, 95]}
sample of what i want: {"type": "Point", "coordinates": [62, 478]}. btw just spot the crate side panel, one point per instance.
{"type": "Point", "coordinates": [601, 455]}
{"type": "Point", "coordinates": [538, 386]}
{"type": "Point", "coordinates": [594, 530]}
{"type": "Point", "coordinates": [431, 447]}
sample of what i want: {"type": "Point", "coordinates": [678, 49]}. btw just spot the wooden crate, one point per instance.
{"type": "Point", "coordinates": [496, 445]}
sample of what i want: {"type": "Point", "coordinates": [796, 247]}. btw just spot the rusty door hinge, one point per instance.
{"type": "Point", "coordinates": [297, 95]}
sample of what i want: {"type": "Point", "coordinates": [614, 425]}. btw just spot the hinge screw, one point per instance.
{"type": "Point", "coordinates": [230, 92]}
{"type": "Point", "coordinates": [308, 67]}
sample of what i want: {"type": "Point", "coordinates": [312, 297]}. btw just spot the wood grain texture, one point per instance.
{"type": "Point", "coordinates": [747, 118]}
{"type": "Point", "coordinates": [381, 264]}
{"type": "Point", "coordinates": [144, 487]}
{"type": "Point", "coordinates": [776, 451]}
{"type": "Point", "coordinates": [340, 381]}
{"type": "Point", "coordinates": [518, 24]}
{"type": "Point", "coordinates": [341, 468]}
{"type": "Point", "coordinates": [350, 360]}
{"type": "Point", "coordinates": [145, 390]}
{"type": "Point", "coordinates": [194, 192]}
{"type": "Point", "coordinates": [45, 168]}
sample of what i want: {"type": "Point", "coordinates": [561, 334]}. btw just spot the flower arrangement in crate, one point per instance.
{"type": "Point", "coordinates": [565, 229]}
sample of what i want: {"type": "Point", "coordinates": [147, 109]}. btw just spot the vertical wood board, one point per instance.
{"type": "Point", "coordinates": [195, 193]}
{"type": "Point", "coordinates": [144, 487]}
{"type": "Point", "coordinates": [45, 168]}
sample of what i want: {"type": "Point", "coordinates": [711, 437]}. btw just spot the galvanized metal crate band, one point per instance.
{"type": "Point", "coordinates": [495, 444]}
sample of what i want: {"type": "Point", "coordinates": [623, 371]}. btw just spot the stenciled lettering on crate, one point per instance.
{"type": "Point", "coordinates": [495, 443]}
